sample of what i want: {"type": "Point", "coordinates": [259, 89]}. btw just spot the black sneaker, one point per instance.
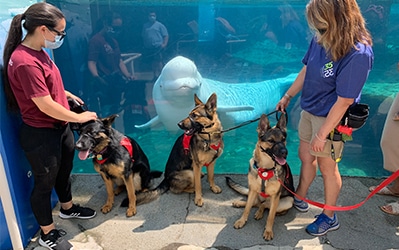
{"type": "Point", "coordinates": [54, 240]}
{"type": "Point", "coordinates": [76, 211]}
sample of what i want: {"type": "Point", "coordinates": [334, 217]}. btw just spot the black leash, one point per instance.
{"type": "Point", "coordinates": [251, 121]}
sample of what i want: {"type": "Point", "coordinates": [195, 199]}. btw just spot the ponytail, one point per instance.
{"type": "Point", "coordinates": [14, 38]}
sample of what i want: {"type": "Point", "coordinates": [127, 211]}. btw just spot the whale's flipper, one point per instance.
{"type": "Point", "coordinates": [150, 124]}
{"type": "Point", "coordinates": [234, 108]}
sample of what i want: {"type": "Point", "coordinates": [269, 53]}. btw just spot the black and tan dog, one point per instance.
{"type": "Point", "coordinates": [267, 168]}
{"type": "Point", "coordinates": [118, 158]}
{"type": "Point", "coordinates": [200, 145]}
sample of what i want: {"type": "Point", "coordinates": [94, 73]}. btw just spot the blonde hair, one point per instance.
{"type": "Point", "coordinates": [343, 23]}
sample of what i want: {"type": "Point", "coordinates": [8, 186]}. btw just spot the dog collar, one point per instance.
{"type": "Point", "coordinates": [125, 142]}
{"type": "Point", "coordinates": [186, 144]}
{"type": "Point", "coordinates": [99, 157]}
{"type": "Point", "coordinates": [215, 147]}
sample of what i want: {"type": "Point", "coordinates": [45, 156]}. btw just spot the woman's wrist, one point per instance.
{"type": "Point", "coordinates": [318, 138]}
{"type": "Point", "coordinates": [288, 96]}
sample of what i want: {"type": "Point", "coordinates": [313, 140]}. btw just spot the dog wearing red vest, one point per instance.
{"type": "Point", "coordinates": [199, 146]}
{"type": "Point", "coordinates": [269, 176]}
{"type": "Point", "coordinates": [118, 159]}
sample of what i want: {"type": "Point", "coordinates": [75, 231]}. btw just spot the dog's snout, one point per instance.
{"type": "Point", "coordinates": [78, 145]}
{"type": "Point", "coordinates": [280, 150]}
{"type": "Point", "coordinates": [181, 125]}
{"type": "Point", "coordinates": [284, 152]}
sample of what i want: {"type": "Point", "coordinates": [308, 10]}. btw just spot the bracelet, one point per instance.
{"type": "Point", "coordinates": [318, 138]}
{"type": "Point", "coordinates": [288, 96]}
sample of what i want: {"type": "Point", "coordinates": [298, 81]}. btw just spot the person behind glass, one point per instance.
{"type": "Point", "coordinates": [33, 85]}
{"type": "Point", "coordinates": [336, 67]}
{"type": "Point", "coordinates": [293, 33]}
{"type": "Point", "coordinates": [390, 151]}
{"type": "Point", "coordinates": [106, 65]}
{"type": "Point", "coordinates": [155, 39]}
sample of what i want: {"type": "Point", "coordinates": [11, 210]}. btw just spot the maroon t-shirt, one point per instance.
{"type": "Point", "coordinates": [31, 74]}
{"type": "Point", "coordinates": [106, 53]}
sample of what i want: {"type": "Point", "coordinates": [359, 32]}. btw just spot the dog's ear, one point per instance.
{"type": "Point", "coordinates": [263, 125]}
{"type": "Point", "coordinates": [282, 122]}
{"type": "Point", "coordinates": [107, 121]}
{"type": "Point", "coordinates": [197, 101]}
{"type": "Point", "coordinates": [211, 103]}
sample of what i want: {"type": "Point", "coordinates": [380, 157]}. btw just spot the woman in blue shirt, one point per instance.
{"type": "Point", "coordinates": [336, 66]}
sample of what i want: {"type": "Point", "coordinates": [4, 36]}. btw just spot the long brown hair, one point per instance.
{"type": "Point", "coordinates": [36, 15]}
{"type": "Point", "coordinates": [342, 23]}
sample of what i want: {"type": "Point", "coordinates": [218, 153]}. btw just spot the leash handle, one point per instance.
{"type": "Point", "coordinates": [346, 208]}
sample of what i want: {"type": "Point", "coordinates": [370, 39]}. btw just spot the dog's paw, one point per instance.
{"type": "Point", "coordinates": [268, 235]}
{"type": "Point", "coordinates": [259, 214]}
{"type": "Point", "coordinates": [199, 202]}
{"type": "Point", "coordinates": [216, 189]}
{"type": "Point", "coordinates": [130, 212]}
{"type": "Point", "coordinates": [106, 208]}
{"type": "Point", "coordinates": [240, 223]}
{"type": "Point", "coordinates": [239, 203]}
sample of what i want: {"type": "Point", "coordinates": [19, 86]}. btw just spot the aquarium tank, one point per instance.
{"type": "Point", "coordinates": [244, 45]}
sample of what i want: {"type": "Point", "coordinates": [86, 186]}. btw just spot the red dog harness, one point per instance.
{"type": "Point", "coordinates": [125, 142]}
{"type": "Point", "coordinates": [186, 146]}
{"type": "Point", "coordinates": [266, 174]}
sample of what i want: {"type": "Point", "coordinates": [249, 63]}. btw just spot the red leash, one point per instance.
{"type": "Point", "coordinates": [346, 208]}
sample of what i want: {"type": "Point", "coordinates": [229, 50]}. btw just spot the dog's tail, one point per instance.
{"type": "Point", "coordinates": [150, 195]}
{"type": "Point", "coordinates": [236, 186]}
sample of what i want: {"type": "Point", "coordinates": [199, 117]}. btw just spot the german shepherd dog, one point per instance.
{"type": "Point", "coordinates": [118, 158]}
{"type": "Point", "coordinates": [200, 145]}
{"type": "Point", "coordinates": [267, 168]}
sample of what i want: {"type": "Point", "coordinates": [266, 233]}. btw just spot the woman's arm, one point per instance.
{"type": "Point", "coordinates": [292, 91]}
{"type": "Point", "coordinates": [51, 108]}
{"type": "Point", "coordinates": [333, 118]}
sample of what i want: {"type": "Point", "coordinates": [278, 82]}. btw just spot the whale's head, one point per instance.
{"type": "Point", "coordinates": [179, 80]}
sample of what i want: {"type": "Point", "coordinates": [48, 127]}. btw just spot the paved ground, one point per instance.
{"type": "Point", "coordinates": [174, 222]}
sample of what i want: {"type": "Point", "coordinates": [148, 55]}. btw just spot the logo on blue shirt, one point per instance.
{"type": "Point", "coordinates": [327, 70]}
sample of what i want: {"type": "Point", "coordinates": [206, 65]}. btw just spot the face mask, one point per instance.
{"type": "Point", "coordinates": [53, 45]}
{"type": "Point", "coordinates": [117, 30]}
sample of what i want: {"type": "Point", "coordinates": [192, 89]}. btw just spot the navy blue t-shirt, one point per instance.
{"type": "Point", "coordinates": [325, 79]}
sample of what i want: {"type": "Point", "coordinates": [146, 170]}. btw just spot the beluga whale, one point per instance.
{"type": "Point", "coordinates": [174, 90]}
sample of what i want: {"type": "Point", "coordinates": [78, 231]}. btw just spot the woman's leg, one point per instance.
{"type": "Point", "coordinates": [332, 181]}
{"type": "Point", "coordinates": [63, 183]}
{"type": "Point", "coordinates": [39, 151]}
{"type": "Point", "coordinates": [308, 168]}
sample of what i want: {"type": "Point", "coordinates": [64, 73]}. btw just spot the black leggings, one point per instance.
{"type": "Point", "coordinates": [50, 153]}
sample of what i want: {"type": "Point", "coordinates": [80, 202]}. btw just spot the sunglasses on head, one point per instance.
{"type": "Point", "coordinates": [59, 33]}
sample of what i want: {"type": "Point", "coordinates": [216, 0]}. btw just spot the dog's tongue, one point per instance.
{"type": "Point", "coordinates": [280, 160]}
{"type": "Point", "coordinates": [83, 155]}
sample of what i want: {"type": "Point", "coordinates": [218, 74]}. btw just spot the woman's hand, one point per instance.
{"type": "Point", "coordinates": [87, 116]}
{"type": "Point", "coordinates": [283, 103]}
{"type": "Point", "coordinates": [317, 144]}
{"type": "Point", "coordinates": [70, 95]}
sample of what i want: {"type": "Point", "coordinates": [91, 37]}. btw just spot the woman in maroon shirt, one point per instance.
{"type": "Point", "coordinates": [34, 86]}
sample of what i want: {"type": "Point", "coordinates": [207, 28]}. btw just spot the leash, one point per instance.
{"type": "Point", "coordinates": [351, 207]}
{"type": "Point", "coordinates": [249, 122]}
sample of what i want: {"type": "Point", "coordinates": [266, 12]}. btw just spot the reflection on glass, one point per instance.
{"type": "Point", "coordinates": [238, 43]}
